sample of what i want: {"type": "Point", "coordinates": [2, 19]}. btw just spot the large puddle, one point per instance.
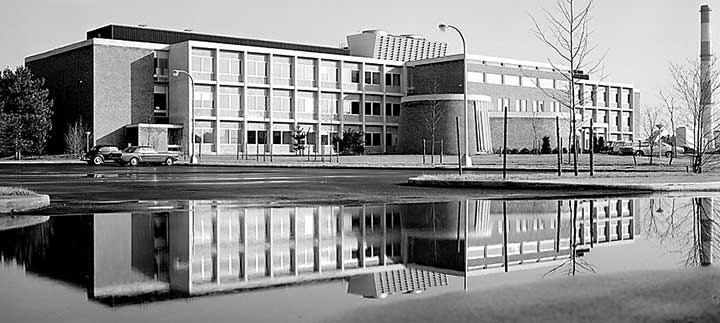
{"type": "Point", "coordinates": [308, 263]}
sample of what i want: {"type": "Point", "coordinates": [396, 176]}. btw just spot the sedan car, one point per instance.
{"type": "Point", "coordinates": [101, 154]}
{"type": "Point", "coordinates": [657, 149]}
{"type": "Point", "coordinates": [134, 155]}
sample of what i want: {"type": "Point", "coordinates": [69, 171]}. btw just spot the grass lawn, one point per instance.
{"type": "Point", "coordinates": [14, 191]}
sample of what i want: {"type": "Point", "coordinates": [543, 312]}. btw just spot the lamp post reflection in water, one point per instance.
{"type": "Point", "coordinates": [705, 210]}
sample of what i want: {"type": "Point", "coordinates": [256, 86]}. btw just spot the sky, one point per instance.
{"type": "Point", "coordinates": [641, 37]}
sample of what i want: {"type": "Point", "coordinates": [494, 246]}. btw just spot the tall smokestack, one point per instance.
{"type": "Point", "coordinates": [705, 78]}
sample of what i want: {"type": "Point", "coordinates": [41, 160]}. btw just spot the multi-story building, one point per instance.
{"type": "Point", "coordinates": [248, 96]}
{"type": "Point", "coordinates": [535, 94]}
{"type": "Point", "coordinates": [381, 45]}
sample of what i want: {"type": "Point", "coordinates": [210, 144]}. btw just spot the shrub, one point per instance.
{"type": "Point", "coordinates": [525, 151]}
{"type": "Point", "coordinates": [545, 148]}
{"type": "Point", "coordinates": [513, 151]}
{"type": "Point", "coordinates": [352, 142]}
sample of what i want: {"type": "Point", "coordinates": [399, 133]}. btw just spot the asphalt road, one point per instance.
{"type": "Point", "coordinates": [82, 188]}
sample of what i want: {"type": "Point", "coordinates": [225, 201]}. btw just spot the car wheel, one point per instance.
{"type": "Point", "coordinates": [134, 161]}
{"type": "Point", "coordinates": [97, 160]}
{"type": "Point", "coordinates": [639, 153]}
{"type": "Point", "coordinates": [169, 161]}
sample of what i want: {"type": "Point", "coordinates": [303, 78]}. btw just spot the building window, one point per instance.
{"type": "Point", "coordinates": [282, 138]}
{"type": "Point", "coordinates": [372, 108]}
{"type": "Point", "coordinates": [230, 133]}
{"type": "Point", "coordinates": [306, 69]}
{"type": "Point", "coordinates": [329, 74]}
{"type": "Point", "coordinates": [282, 68]}
{"type": "Point", "coordinates": [528, 81]}
{"type": "Point", "coordinates": [204, 100]}
{"type": "Point", "coordinates": [373, 139]}
{"type": "Point", "coordinates": [512, 80]}
{"type": "Point", "coordinates": [204, 132]}
{"type": "Point", "coordinates": [493, 78]}
{"type": "Point", "coordinates": [229, 101]}
{"type": "Point", "coordinates": [282, 100]}
{"type": "Point", "coordinates": [161, 65]}
{"type": "Point", "coordinates": [305, 102]}
{"type": "Point", "coordinates": [355, 76]}
{"type": "Point", "coordinates": [229, 66]}
{"type": "Point", "coordinates": [257, 68]}
{"type": "Point", "coordinates": [257, 99]}
{"type": "Point", "coordinates": [354, 108]}
{"type": "Point", "coordinates": [503, 103]}
{"type": "Point", "coordinates": [160, 100]}
{"type": "Point", "coordinates": [203, 64]}
{"type": "Point", "coordinates": [372, 78]}
{"type": "Point", "coordinates": [392, 79]}
{"type": "Point", "coordinates": [392, 109]}
{"type": "Point", "coordinates": [545, 83]}
{"type": "Point", "coordinates": [329, 104]}
{"type": "Point", "coordinates": [523, 106]}
{"type": "Point", "coordinates": [256, 137]}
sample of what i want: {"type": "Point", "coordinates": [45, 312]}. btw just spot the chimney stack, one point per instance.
{"type": "Point", "coordinates": [705, 79]}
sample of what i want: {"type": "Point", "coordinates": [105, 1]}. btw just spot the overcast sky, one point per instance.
{"type": "Point", "coordinates": [641, 36]}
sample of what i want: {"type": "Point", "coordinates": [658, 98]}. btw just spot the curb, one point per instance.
{"type": "Point", "coordinates": [603, 169]}
{"type": "Point", "coordinates": [42, 162]}
{"type": "Point", "coordinates": [16, 204]}
{"type": "Point", "coordinates": [560, 185]}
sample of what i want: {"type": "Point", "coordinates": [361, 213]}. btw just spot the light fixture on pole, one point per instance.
{"type": "Point", "coordinates": [87, 141]}
{"type": "Point", "coordinates": [466, 152]}
{"type": "Point", "coordinates": [193, 158]}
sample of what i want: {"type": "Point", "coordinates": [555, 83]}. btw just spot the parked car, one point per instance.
{"type": "Point", "coordinates": [621, 148]}
{"type": "Point", "coordinates": [102, 154]}
{"type": "Point", "coordinates": [658, 149]}
{"type": "Point", "coordinates": [134, 155]}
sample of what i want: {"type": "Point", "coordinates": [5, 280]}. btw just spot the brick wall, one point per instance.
{"type": "Point", "coordinates": [69, 80]}
{"type": "Point", "coordinates": [123, 90]}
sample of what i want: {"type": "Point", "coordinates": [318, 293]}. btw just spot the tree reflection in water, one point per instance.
{"type": "Point", "coordinates": [686, 226]}
{"type": "Point", "coordinates": [575, 264]}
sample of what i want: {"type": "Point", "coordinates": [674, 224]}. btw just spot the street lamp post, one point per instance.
{"type": "Point", "coordinates": [466, 158]}
{"type": "Point", "coordinates": [87, 141]}
{"type": "Point", "coordinates": [193, 159]}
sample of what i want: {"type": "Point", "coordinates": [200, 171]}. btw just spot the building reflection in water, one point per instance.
{"type": "Point", "coordinates": [211, 247]}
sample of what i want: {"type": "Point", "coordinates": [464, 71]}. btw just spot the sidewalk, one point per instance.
{"type": "Point", "coordinates": [544, 163]}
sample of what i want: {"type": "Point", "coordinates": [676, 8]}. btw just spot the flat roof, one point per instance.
{"type": "Point", "coordinates": [165, 36]}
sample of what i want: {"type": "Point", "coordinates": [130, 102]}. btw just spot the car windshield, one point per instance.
{"type": "Point", "coordinates": [130, 150]}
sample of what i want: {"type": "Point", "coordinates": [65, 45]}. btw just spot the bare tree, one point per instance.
{"type": "Point", "coordinates": [433, 116]}
{"type": "Point", "coordinates": [650, 128]}
{"type": "Point", "coordinates": [566, 32]}
{"type": "Point", "coordinates": [75, 138]}
{"type": "Point", "coordinates": [674, 114]}
{"type": "Point", "coordinates": [694, 89]}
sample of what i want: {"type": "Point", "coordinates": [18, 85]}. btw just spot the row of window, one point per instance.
{"type": "Point", "coordinates": [283, 69]}
{"type": "Point", "coordinates": [521, 105]}
{"type": "Point", "coordinates": [231, 133]}
{"type": "Point", "coordinates": [230, 98]}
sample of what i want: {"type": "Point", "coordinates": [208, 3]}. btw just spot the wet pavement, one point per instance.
{"type": "Point", "coordinates": [184, 244]}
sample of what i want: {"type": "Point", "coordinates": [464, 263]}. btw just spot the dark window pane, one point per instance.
{"type": "Point", "coordinates": [368, 107]}
{"type": "Point", "coordinates": [368, 139]}
{"type": "Point", "coordinates": [261, 137]}
{"type": "Point", "coordinates": [388, 79]}
{"type": "Point", "coordinates": [376, 78]}
{"type": "Point", "coordinates": [396, 79]}
{"type": "Point", "coordinates": [376, 108]}
{"type": "Point", "coordinates": [376, 139]}
{"type": "Point", "coordinates": [251, 135]}
{"type": "Point", "coordinates": [277, 137]}
{"type": "Point", "coordinates": [388, 139]}
{"type": "Point", "coordinates": [368, 77]}
{"type": "Point", "coordinates": [388, 109]}
{"type": "Point", "coordinates": [396, 110]}
{"type": "Point", "coordinates": [355, 77]}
